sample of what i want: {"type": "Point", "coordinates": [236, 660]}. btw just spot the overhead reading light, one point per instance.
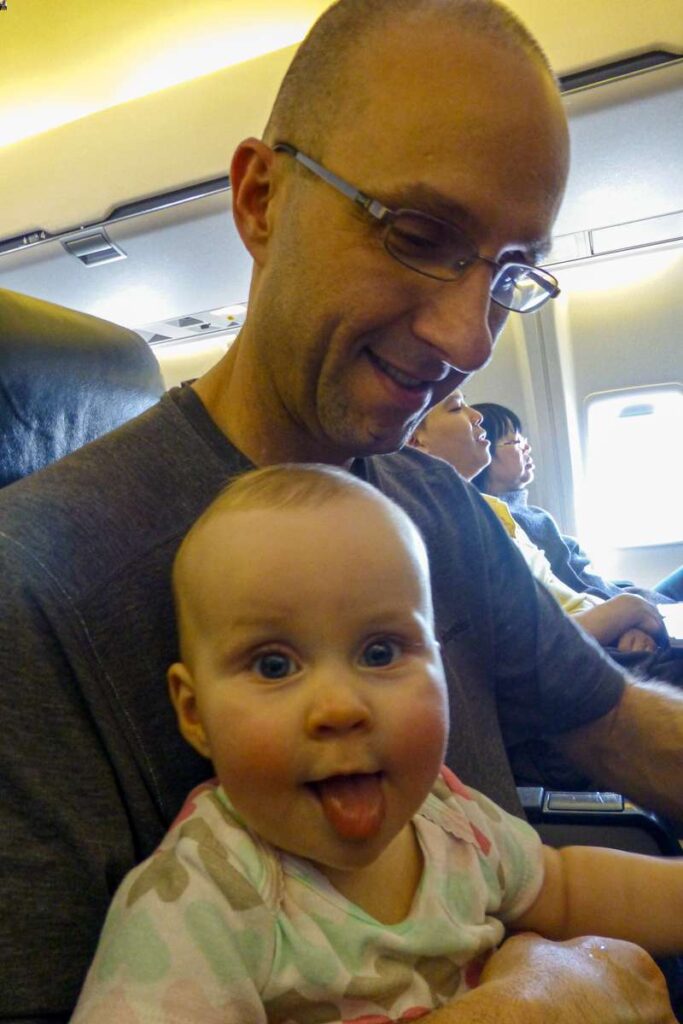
{"type": "Point", "coordinates": [94, 249]}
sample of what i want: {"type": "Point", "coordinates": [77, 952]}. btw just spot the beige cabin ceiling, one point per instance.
{"type": "Point", "coordinates": [143, 96]}
{"type": "Point", "coordinates": [64, 59]}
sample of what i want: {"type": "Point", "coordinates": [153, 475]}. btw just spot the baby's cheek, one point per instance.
{"type": "Point", "coordinates": [422, 737]}
{"type": "Point", "coordinates": [246, 752]}
{"type": "Point", "coordinates": [268, 756]}
{"type": "Point", "coordinates": [431, 736]}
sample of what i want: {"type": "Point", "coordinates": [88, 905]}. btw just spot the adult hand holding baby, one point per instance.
{"type": "Point", "coordinates": [594, 981]}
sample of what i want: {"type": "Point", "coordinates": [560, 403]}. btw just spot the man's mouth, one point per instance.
{"type": "Point", "coordinates": [354, 805]}
{"type": "Point", "coordinates": [400, 377]}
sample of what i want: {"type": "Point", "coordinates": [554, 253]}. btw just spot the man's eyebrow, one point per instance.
{"type": "Point", "coordinates": [423, 198]}
{"type": "Point", "coordinates": [540, 249]}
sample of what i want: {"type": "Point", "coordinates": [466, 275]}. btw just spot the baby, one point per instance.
{"type": "Point", "coordinates": [334, 871]}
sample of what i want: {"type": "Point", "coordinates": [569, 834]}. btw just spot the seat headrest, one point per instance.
{"type": "Point", "coordinates": [65, 379]}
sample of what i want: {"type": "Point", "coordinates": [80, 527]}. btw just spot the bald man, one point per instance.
{"type": "Point", "coordinates": [395, 210]}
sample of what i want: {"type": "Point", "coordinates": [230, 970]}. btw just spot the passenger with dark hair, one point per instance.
{"type": "Point", "coordinates": [454, 431]}
{"type": "Point", "coordinates": [508, 476]}
{"type": "Point", "coordinates": [396, 211]}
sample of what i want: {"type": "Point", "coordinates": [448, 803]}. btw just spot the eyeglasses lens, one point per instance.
{"type": "Point", "coordinates": [428, 245]}
{"type": "Point", "coordinates": [521, 288]}
{"type": "Point", "coordinates": [437, 249]}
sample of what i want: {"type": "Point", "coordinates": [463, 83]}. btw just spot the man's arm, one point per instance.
{"type": "Point", "coordinates": [590, 980]}
{"type": "Point", "coordinates": [637, 748]}
{"type": "Point", "coordinates": [65, 834]}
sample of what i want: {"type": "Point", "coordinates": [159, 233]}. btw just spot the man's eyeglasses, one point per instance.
{"type": "Point", "coordinates": [439, 249]}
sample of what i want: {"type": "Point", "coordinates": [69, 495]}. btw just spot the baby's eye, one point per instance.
{"type": "Point", "coordinates": [380, 653]}
{"type": "Point", "coordinates": [274, 665]}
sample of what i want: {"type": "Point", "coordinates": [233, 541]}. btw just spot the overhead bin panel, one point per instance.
{"type": "Point", "coordinates": [178, 259]}
{"type": "Point", "coordinates": [627, 163]}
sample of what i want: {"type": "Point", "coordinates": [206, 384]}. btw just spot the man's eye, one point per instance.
{"type": "Point", "coordinates": [413, 234]}
{"type": "Point", "coordinates": [411, 239]}
{"type": "Point", "coordinates": [380, 653]}
{"type": "Point", "coordinates": [274, 665]}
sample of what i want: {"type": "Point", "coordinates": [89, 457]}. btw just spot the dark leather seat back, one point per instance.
{"type": "Point", "coordinates": [65, 379]}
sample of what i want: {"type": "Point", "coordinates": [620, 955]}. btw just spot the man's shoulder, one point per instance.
{"type": "Point", "coordinates": [112, 499]}
{"type": "Point", "coordinates": [412, 472]}
{"type": "Point", "coordinates": [428, 489]}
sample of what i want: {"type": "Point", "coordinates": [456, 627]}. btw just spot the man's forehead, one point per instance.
{"type": "Point", "coordinates": [440, 111]}
{"type": "Point", "coordinates": [441, 61]}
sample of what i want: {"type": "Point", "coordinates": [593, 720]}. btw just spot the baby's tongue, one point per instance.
{"type": "Point", "coordinates": [353, 804]}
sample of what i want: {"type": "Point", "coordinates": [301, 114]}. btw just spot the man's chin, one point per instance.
{"type": "Point", "coordinates": [385, 442]}
{"type": "Point", "coordinates": [358, 446]}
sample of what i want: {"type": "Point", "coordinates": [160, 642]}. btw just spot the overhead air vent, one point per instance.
{"type": "Point", "coordinates": [226, 320]}
{"type": "Point", "coordinates": [186, 321]}
{"type": "Point", "coordinates": [153, 339]}
{"type": "Point", "coordinates": [94, 249]}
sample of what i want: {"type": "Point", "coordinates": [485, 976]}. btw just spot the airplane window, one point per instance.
{"type": "Point", "coordinates": [631, 494]}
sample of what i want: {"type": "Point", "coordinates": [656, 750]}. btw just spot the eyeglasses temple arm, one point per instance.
{"type": "Point", "coordinates": [373, 206]}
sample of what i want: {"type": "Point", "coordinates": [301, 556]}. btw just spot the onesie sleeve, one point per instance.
{"type": "Point", "coordinates": [509, 850]}
{"type": "Point", "coordinates": [189, 936]}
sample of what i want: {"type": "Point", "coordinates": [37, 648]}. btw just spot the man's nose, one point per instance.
{"type": "Point", "coordinates": [457, 318]}
{"type": "Point", "coordinates": [337, 706]}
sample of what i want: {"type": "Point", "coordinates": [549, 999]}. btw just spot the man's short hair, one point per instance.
{"type": "Point", "coordinates": [318, 85]}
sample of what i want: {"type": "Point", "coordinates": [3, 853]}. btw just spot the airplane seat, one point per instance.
{"type": "Point", "coordinates": [65, 378]}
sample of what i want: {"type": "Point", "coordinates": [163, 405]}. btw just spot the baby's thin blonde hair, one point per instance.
{"type": "Point", "coordinates": [285, 486]}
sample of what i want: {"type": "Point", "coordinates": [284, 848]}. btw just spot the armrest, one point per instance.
{"type": "Point", "coordinates": [566, 818]}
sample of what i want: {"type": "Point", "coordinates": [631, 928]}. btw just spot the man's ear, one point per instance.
{"type": "Point", "coordinates": [182, 690]}
{"type": "Point", "coordinates": [251, 180]}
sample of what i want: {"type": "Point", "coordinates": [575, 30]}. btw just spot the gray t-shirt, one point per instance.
{"type": "Point", "coordinates": [93, 768]}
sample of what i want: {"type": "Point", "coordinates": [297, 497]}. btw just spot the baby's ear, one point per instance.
{"type": "Point", "coordinates": [181, 687]}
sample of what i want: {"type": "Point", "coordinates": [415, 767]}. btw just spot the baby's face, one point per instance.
{"type": "Point", "coordinates": [313, 681]}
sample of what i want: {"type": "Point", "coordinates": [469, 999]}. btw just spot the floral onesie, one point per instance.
{"type": "Point", "coordinates": [218, 927]}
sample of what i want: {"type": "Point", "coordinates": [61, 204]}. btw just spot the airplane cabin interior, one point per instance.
{"type": "Point", "coordinates": [116, 203]}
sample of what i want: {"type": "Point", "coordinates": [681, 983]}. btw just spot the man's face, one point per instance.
{"type": "Point", "coordinates": [354, 347]}
{"type": "Point", "coordinates": [453, 431]}
{"type": "Point", "coordinates": [316, 676]}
